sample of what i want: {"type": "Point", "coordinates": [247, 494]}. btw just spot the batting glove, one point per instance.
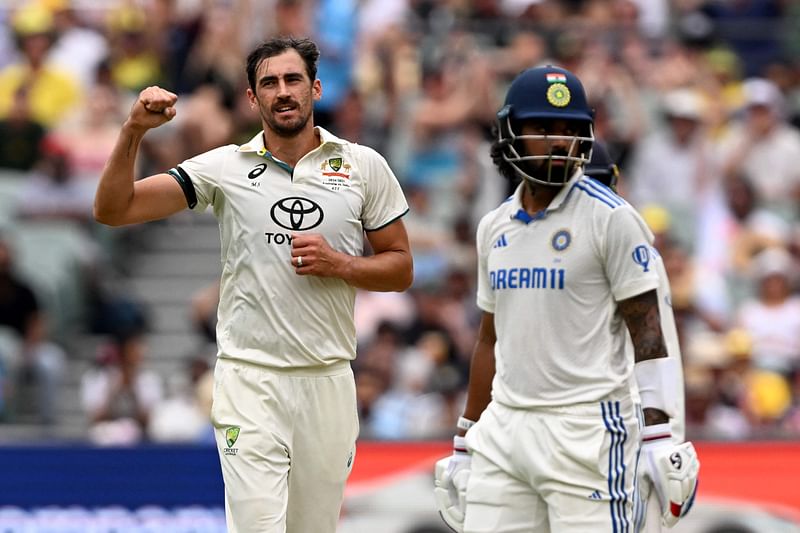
{"type": "Point", "coordinates": [672, 469]}
{"type": "Point", "coordinates": [451, 476]}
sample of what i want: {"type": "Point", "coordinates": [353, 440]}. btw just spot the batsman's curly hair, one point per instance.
{"type": "Point", "coordinates": [497, 149]}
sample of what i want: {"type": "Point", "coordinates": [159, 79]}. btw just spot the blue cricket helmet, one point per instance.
{"type": "Point", "coordinates": [601, 167]}
{"type": "Point", "coordinates": [544, 94]}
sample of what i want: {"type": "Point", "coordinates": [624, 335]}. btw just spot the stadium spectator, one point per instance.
{"type": "Point", "coordinates": [671, 166]}
{"type": "Point", "coordinates": [216, 52]}
{"type": "Point", "coordinates": [22, 135]}
{"type": "Point", "coordinates": [88, 135]}
{"type": "Point", "coordinates": [184, 414]}
{"type": "Point", "coordinates": [732, 230]}
{"type": "Point", "coordinates": [764, 140]}
{"type": "Point", "coordinates": [119, 393]}
{"type": "Point", "coordinates": [52, 191]}
{"type": "Point", "coordinates": [52, 93]}
{"type": "Point", "coordinates": [36, 365]}
{"type": "Point", "coordinates": [79, 48]}
{"type": "Point", "coordinates": [337, 64]}
{"type": "Point", "coordinates": [772, 317]}
{"type": "Point", "coordinates": [135, 62]}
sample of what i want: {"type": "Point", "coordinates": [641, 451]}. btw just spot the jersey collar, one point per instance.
{"type": "Point", "coordinates": [519, 213]}
{"type": "Point", "coordinates": [256, 144]}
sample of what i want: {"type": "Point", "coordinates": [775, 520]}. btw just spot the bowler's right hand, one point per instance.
{"type": "Point", "coordinates": [154, 107]}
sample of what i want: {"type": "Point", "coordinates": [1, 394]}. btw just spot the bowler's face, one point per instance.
{"type": "Point", "coordinates": [285, 94]}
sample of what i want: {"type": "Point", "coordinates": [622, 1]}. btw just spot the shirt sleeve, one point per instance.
{"type": "Point", "coordinates": [384, 201]}
{"type": "Point", "coordinates": [199, 178]}
{"type": "Point", "coordinates": [629, 256]}
{"type": "Point", "coordinates": [485, 296]}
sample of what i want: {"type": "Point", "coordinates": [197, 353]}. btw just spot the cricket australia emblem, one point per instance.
{"type": "Point", "coordinates": [336, 173]}
{"type": "Point", "coordinates": [231, 435]}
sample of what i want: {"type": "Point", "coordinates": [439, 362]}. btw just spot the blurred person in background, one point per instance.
{"type": "Point", "coordinates": [407, 410]}
{"type": "Point", "coordinates": [52, 191]}
{"type": "Point", "coordinates": [286, 330]}
{"type": "Point", "coordinates": [732, 230]}
{"type": "Point", "coordinates": [134, 57]}
{"type": "Point", "coordinates": [36, 364]}
{"type": "Point", "coordinates": [336, 66]}
{"type": "Point", "coordinates": [671, 166]}
{"type": "Point", "coordinates": [700, 299]}
{"type": "Point", "coordinates": [78, 48]}
{"type": "Point", "coordinates": [216, 51]}
{"type": "Point", "coordinates": [52, 93]}
{"type": "Point", "coordinates": [119, 393]}
{"type": "Point", "coordinates": [616, 96]}
{"type": "Point", "coordinates": [184, 414]}
{"type": "Point", "coordinates": [765, 149]}
{"type": "Point", "coordinates": [375, 309]}
{"type": "Point", "coordinates": [772, 316]}
{"type": "Point", "coordinates": [550, 366]}
{"type": "Point", "coordinates": [88, 136]}
{"type": "Point", "coordinates": [716, 387]}
{"type": "Point", "coordinates": [21, 133]}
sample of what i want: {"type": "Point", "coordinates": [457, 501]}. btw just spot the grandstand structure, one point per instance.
{"type": "Point", "coordinates": [166, 264]}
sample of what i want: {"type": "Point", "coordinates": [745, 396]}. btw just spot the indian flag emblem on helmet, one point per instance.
{"type": "Point", "coordinates": [556, 77]}
{"type": "Point", "coordinates": [558, 95]}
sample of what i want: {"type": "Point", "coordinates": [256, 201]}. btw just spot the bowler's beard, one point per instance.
{"type": "Point", "coordinates": [287, 129]}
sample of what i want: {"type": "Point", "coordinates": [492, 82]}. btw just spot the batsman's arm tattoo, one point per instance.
{"type": "Point", "coordinates": [644, 323]}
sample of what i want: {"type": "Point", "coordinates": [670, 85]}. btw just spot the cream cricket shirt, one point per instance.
{"type": "Point", "coordinates": [552, 281]}
{"type": "Point", "coordinates": [269, 315]}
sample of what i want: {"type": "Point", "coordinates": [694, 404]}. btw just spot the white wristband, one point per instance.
{"type": "Point", "coordinates": [464, 423]}
{"type": "Point", "coordinates": [460, 445]}
{"type": "Point", "coordinates": [656, 433]}
{"type": "Point", "coordinates": [659, 380]}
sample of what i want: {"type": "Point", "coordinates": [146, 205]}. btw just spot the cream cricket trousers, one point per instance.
{"type": "Point", "coordinates": [567, 469]}
{"type": "Point", "coordinates": [286, 442]}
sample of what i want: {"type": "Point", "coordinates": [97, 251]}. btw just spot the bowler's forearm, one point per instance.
{"type": "Point", "coordinates": [115, 189]}
{"type": "Point", "coordinates": [390, 270]}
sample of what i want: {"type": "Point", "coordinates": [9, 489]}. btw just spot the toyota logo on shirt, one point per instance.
{"type": "Point", "coordinates": [296, 213]}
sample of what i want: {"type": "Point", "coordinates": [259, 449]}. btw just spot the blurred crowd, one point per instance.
{"type": "Point", "coordinates": [698, 102]}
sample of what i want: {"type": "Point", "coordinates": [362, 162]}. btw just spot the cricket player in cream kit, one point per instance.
{"type": "Point", "coordinates": [565, 275]}
{"type": "Point", "coordinates": [294, 205]}
{"type": "Point", "coordinates": [271, 318]}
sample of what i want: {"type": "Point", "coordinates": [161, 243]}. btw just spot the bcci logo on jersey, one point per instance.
{"type": "Point", "coordinates": [231, 435]}
{"type": "Point", "coordinates": [561, 240]}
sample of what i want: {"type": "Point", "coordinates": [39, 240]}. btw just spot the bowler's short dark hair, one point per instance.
{"type": "Point", "coordinates": [307, 49]}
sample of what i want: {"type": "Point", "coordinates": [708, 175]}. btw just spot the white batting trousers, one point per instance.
{"type": "Point", "coordinates": [568, 469]}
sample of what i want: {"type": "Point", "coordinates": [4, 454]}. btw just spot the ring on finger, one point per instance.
{"type": "Point", "coordinates": [299, 260]}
